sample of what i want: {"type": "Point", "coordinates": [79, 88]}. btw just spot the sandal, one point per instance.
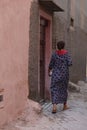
{"type": "Point", "coordinates": [54, 110]}
{"type": "Point", "coordinates": [65, 107]}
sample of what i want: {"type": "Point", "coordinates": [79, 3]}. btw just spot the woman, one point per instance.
{"type": "Point", "coordinates": [59, 66]}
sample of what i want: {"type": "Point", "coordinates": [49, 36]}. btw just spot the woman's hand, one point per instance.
{"type": "Point", "coordinates": [49, 72]}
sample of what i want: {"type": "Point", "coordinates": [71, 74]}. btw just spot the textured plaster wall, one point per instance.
{"type": "Point", "coordinates": [14, 47]}
{"type": "Point", "coordinates": [60, 22]}
{"type": "Point", "coordinates": [78, 40]}
{"type": "Point", "coordinates": [34, 50]}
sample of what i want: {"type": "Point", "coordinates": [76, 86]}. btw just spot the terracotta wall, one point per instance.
{"type": "Point", "coordinates": [14, 46]}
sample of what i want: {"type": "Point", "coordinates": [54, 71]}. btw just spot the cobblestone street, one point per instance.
{"type": "Point", "coordinates": [74, 118]}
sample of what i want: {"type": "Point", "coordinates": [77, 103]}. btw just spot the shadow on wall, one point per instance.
{"type": "Point", "coordinates": [33, 51]}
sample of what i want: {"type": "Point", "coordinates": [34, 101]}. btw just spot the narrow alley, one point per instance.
{"type": "Point", "coordinates": [74, 118]}
{"type": "Point", "coordinates": [30, 31]}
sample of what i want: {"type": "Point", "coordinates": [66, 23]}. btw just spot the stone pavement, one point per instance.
{"type": "Point", "coordinates": [74, 118]}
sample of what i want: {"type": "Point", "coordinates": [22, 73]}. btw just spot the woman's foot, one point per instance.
{"type": "Point", "coordinates": [65, 107]}
{"type": "Point", "coordinates": [54, 109]}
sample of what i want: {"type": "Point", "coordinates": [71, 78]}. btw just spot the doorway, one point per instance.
{"type": "Point", "coordinates": [43, 25]}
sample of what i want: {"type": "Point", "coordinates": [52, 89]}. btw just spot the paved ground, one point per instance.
{"type": "Point", "coordinates": [74, 118]}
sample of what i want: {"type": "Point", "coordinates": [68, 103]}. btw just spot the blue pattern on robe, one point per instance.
{"type": "Point", "coordinates": [60, 77]}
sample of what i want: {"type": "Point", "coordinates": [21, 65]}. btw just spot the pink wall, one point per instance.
{"type": "Point", "coordinates": [48, 51]}
{"type": "Point", "coordinates": [14, 45]}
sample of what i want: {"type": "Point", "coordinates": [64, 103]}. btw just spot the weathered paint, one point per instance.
{"type": "Point", "coordinates": [14, 47]}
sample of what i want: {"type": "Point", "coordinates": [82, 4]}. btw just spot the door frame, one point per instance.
{"type": "Point", "coordinates": [48, 50]}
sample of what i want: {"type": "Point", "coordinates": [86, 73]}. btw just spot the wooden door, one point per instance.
{"type": "Point", "coordinates": [43, 23]}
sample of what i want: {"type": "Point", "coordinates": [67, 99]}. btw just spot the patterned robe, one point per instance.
{"type": "Point", "coordinates": [59, 64]}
